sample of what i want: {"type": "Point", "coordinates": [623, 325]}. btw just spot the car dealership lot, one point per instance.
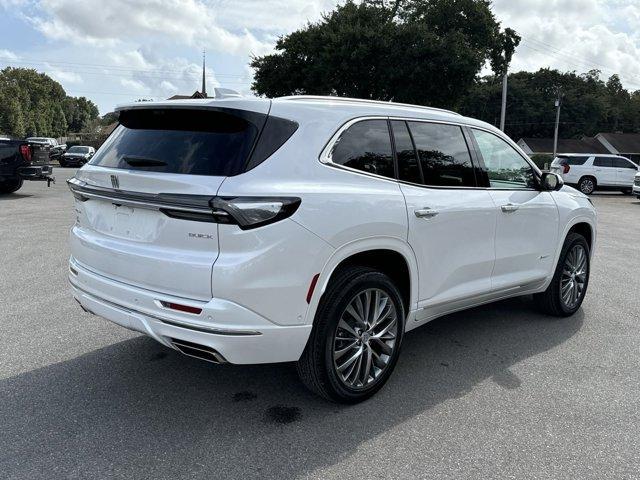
{"type": "Point", "coordinates": [495, 392]}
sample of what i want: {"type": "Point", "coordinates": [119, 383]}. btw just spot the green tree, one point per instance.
{"type": "Point", "coordinates": [32, 103]}
{"type": "Point", "coordinates": [416, 51]}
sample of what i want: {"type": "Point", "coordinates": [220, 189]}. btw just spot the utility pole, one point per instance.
{"type": "Point", "coordinates": [503, 113]}
{"type": "Point", "coordinates": [555, 135]}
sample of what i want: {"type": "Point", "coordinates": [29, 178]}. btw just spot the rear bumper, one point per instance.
{"type": "Point", "coordinates": [36, 172]}
{"type": "Point", "coordinates": [234, 333]}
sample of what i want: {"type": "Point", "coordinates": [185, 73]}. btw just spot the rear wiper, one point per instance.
{"type": "Point", "coordinates": [144, 162]}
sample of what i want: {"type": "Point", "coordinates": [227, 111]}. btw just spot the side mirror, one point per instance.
{"type": "Point", "coordinates": [551, 182]}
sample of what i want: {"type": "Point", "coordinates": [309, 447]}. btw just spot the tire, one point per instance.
{"type": "Point", "coordinates": [587, 185]}
{"type": "Point", "coordinates": [317, 368]}
{"type": "Point", "coordinates": [552, 301]}
{"type": "Point", "coordinates": [627, 191]}
{"type": "Point", "coordinates": [62, 163]}
{"type": "Point", "coordinates": [10, 186]}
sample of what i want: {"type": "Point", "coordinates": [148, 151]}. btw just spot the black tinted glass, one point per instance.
{"type": "Point", "coordinates": [443, 154]}
{"type": "Point", "coordinates": [602, 162]}
{"type": "Point", "coordinates": [575, 160]}
{"type": "Point", "coordinates": [365, 146]}
{"type": "Point", "coordinates": [408, 168]}
{"type": "Point", "coordinates": [622, 163]}
{"type": "Point", "coordinates": [196, 142]}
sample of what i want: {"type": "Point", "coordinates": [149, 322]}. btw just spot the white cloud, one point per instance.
{"type": "Point", "coordinates": [575, 35]}
{"type": "Point", "coordinates": [7, 55]}
{"type": "Point", "coordinates": [63, 76]}
{"type": "Point", "coordinates": [188, 22]}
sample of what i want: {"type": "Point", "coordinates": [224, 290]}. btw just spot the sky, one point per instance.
{"type": "Point", "coordinates": [116, 51]}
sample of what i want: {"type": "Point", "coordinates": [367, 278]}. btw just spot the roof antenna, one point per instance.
{"type": "Point", "coordinates": [204, 86]}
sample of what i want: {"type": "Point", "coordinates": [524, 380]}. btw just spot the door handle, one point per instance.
{"type": "Point", "coordinates": [426, 212]}
{"type": "Point", "coordinates": [509, 207]}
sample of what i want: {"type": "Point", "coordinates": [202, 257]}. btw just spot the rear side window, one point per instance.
{"type": "Point", "coordinates": [622, 163]}
{"type": "Point", "coordinates": [444, 155]}
{"type": "Point", "coordinates": [366, 146]}
{"type": "Point", "coordinates": [195, 142]}
{"type": "Point", "coordinates": [602, 162]}
{"type": "Point", "coordinates": [408, 167]}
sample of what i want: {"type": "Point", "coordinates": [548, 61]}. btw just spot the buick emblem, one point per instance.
{"type": "Point", "coordinates": [115, 183]}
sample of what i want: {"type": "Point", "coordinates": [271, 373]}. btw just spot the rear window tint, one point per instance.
{"type": "Point", "coordinates": [603, 162]}
{"type": "Point", "coordinates": [366, 146]}
{"type": "Point", "coordinates": [571, 160]}
{"type": "Point", "coordinates": [195, 142]}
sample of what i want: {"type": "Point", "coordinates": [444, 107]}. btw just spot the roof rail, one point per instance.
{"type": "Point", "coordinates": [331, 98]}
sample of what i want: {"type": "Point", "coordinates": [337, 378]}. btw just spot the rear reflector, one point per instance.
{"type": "Point", "coordinates": [312, 287]}
{"type": "Point", "coordinates": [566, 168]}
{"type": "Point", "coordinates": [182, 308]}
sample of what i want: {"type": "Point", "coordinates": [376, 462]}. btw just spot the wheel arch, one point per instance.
{"type": "Point", "coordinates": [390, 255]}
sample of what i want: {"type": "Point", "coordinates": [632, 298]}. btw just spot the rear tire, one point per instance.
{"type": "Point", "coordinates": [62, 163]}
{"type": "Point", "coordinates": [347, 360]}
{"type": "Point", "coordinates": [587, 185]}
{"type": "Point", "coordinates": [11, 185]}
{"type": "Point", "coordinates": [572, 271]}
{"type": "Point", "coordinates": [627, 191]}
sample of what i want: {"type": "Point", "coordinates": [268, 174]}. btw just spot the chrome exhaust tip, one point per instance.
{"type": "Point", "coordinates": [195, 350]}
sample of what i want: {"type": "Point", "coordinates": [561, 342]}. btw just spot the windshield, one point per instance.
{"type": "Point", "coordinates": [78, 150]}
{"type": "Point", "coordinates": [195, 142]}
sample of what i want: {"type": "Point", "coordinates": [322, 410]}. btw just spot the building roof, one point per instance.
{"type": "Point", "coordinates": [195, 94]}
{"type": "Point", "coordinates": [565, 145]}
{"type": "Point", "coordinates": [623, 142]}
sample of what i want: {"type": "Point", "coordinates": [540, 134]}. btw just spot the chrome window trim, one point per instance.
{"type": "Point", "coordinates": [325, 154]}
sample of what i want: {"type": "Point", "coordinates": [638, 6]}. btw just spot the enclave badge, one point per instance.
{"type": "Point", "coordinates": [115, 183]}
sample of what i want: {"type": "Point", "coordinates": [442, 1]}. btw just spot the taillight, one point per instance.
{"type": "Point", "coordinates": [566, 168]}
{"type": "Point", "coordinates": [253, 212]}
{"type": "Point", "coordinates": [25, 151]}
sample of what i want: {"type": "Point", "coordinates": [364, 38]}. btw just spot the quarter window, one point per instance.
{"type": "Point", "coordinates": [506, 168]}
{"type": "Point", "coordinates": [444, 155]}
{"type": "Point", "coordinates": [408, 167]}
{"type": "Point", "coordinates": [366, 146]}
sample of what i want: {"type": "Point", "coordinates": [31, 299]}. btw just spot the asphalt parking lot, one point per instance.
{"type": "Point", "coordinates": [495, 392]}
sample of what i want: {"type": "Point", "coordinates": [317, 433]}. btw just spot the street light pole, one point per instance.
{"type": "Point", "coordinates": [555, 134]}
{"type": "Point", "coordinates": [503, 112]}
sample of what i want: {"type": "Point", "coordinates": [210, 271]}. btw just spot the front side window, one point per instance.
{"type": "Point", "coordinates": [622, 163]}
{"type": "Point", "coordinates": [366, 146]}
{"type": "Point", "coordinates": [602, 162]}
{"type": "Point", "coordinates": [505, 166]}
{"type": "Point", "coordinates": [444, 155]}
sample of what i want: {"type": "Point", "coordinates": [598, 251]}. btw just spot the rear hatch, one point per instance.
{"type": "Point", "coordinates": [142, 202]}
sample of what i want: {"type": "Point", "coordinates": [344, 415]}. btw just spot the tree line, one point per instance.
{"type": "Point", "coordinates": [431, 52]}
{"type": "Point", "coordinates": [33, 104]}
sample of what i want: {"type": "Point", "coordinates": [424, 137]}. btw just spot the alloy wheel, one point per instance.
{"type": "Point", "coordinates": [365, 338]}
{"type": "Point", "coordinates": [587, 186]}
{"type": "Point", "coordinates": [574, 276]}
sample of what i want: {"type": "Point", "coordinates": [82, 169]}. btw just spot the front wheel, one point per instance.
{"type": "Point", "coordinates": [356, 338]}
{"type": "Point", "coordinates": [10, 185]}
{"type": "Point", "coordinates": [566, 292]}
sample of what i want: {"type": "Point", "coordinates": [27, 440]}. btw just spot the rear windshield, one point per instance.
{"type": "Point", "coordinates": [78, 150]}
{"type": "Point", "coordinates": [195, 142]}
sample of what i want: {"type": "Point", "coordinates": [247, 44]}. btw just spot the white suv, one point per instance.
{"type": "Point", "coordinates": [316, 230]}
{"type": "Point", "coordinates": [596, 172]}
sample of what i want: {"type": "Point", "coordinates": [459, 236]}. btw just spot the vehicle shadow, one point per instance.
{"type": "Point", "coordinates": [15, 196]}
{"type": "Point", "coordinates": [137, 406]}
